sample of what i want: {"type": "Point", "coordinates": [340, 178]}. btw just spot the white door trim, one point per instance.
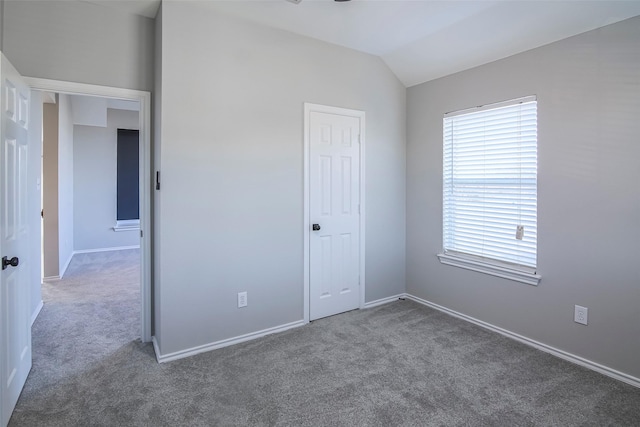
{"type": "Point", "coordinates": [308, 109]}
{"type": "Point", "coordinates": [145, 172]}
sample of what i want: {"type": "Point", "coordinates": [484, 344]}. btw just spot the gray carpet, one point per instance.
{"type": "Point", "coordinates": [397, 364]}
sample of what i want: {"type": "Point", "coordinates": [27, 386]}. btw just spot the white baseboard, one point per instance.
{"type": "Point", "coordinates": [156, 348]}
{"type": "Point", "coordinates": [36, 312]}
{"type": "Point", "coordinates": [66, 265]}
{"type": "Point", "coordinates": [51, 279]}
{"type": "Point", "coordinates": [605, 370]}
{"type": "Point", "coordinates": [117, 248]}
{"type": "Point", "coordinates": [222, 343]}
{"type": "Point", "coordinates": [381, 301]}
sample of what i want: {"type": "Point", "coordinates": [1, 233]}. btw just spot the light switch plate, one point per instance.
{"type": "Point", "coordinates": [242, 299]}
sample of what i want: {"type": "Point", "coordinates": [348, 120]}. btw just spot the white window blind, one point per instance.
{"type": "Point", "coordinates": [490, 183]}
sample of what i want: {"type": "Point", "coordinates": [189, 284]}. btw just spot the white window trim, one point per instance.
{"type": "Point", "coordinates": [493, 268]}
{"type": "Point", "coordinates": [127, 225]}
{"type": "Point", "coordinates": [492, 106]}
{"type": "Point", "coordinates": [506, 270]}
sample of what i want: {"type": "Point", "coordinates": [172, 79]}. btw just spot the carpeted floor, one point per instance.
{"type": "Point", "coordinates": [397, 364]}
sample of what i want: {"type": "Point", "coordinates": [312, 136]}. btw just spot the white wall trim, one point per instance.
{"type": "Point", "coordinates": [117, 248]}
{"type": "Point", "coordinates": [222, 343]}
{"type": "Point", "coordinates": [127, 228]}
{"type": "Point", "coordinates": [51, 279]}
{"type": "Point", "coordinates": [156, 348]}
{"type": "Point", "coordinates": [36, 312]}
{"type": "Point", "coordinates": [605, 370]}
{"type": "Point", "coordinates": [63, 270]}
{"type": "Point", "coordinates": [382, 301]}
{"type": "Point", "coordinates": [308, 108]}
{"type": "Point", "coordinates": [73, 88]}
{"type": "Point", "coordinates": [144, 99]}
{"type": "Point", "coordinates": [494, 269]}
{"type": "Point", "coordinates": [127, 224]}
{"type": "Point", "coordinates": [119, 229]}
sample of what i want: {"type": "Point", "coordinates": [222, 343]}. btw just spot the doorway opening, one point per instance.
{"type": "Point", "coordinates": [80, 211]}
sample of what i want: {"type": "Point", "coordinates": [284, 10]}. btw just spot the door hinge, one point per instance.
{"type": "Point", "coordinates": [141, 234]}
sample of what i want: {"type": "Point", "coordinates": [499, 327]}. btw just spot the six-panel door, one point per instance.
{"type": "Point", "coordinates": [15, 343]}
{"type": "Point", "coordinates": [334, 184]}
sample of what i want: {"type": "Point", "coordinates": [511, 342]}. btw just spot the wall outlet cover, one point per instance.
{"type": "Point", "coordinates": [580, 314]}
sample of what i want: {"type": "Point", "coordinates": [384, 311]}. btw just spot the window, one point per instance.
{"type": "Point", "coordinates": [128, 181]}
{"type": "Point", "coordinates": [490, 189]}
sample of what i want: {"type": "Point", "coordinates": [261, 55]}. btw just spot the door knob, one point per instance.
{"type": "Point", "coordinates": [316, 227]}
{"type": "Point", "coordinates": [13, 262]}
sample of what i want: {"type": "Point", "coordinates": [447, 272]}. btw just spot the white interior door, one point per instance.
{"type": "Point", "coordinates": [334, 208]}
{"type": "Point", "coordinates": [15, 350]}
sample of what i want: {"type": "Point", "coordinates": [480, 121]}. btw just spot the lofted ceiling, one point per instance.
{"type": "Point", "coordinates": [421, 40]}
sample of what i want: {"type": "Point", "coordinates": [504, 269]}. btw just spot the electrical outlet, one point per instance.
{"type": "Point", "coordinates": [580, 314]}
{"type": "Point", "coordinates": [242, 299]}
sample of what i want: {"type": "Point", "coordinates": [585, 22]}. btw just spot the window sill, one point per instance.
{"type": "Point", "coordinates": [130, 225]}
{"type": "Point", "coordinates": [491, 269]}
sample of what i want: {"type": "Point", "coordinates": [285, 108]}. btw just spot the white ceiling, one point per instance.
{"type": "Point", "coordinates": [421, 40]}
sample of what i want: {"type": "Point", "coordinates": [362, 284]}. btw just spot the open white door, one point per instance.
{"type": "Point", "coordinates": [15, 342]}
{"type": "Point", "coordinates": [334, 211]}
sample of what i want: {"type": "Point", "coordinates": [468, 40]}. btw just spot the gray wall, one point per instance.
{"type": "Point", "coordinates": [50, 190]}
{"type": "Point", "coordinates": [57, 186]}
{"type": "Point", "coordinates": [1, 23]}
{"type": "Point", "coordinates": [79, 42]}
{"type": "Point", "coordinates": [232, 172]}
{"type": "Point", "coordinates": [65, 182]}
{"type": "Point", "coordinates": [588, 90]}
{"type": "Point", "coordinates": [94, 183]}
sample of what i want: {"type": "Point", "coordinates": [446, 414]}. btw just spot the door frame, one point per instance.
{"type": "Point", "coordinates": [317, 108]}
{"type": "Point", "coordinates": [144, 117]}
